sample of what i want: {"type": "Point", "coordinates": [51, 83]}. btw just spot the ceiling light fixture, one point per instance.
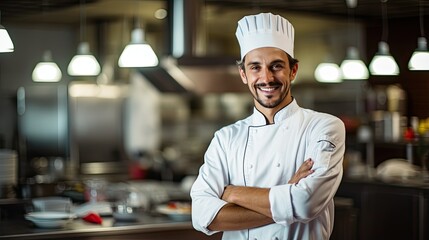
{"type": "Point", "coordinates": [83, 63]}
{"type": "Point", "coordinates": [383, 63]}
{"type": "Point", "coordinates": [6, 44]}
{"type": "Point", "coordinates": [420, 58]}
{"type": "Point", "coordinates": [352, 67]}
{"type": "Point", "coordinates": [47, 70]}
{"type": "Point", "coordinates": [138, 53]}
{"type": "Point", "coordinates": [328, 72]}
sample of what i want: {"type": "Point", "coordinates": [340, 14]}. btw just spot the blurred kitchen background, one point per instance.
{"type": "Point", "coordinates": [159, 117]}
{"type": "Point", "coordinates": [156, 122]}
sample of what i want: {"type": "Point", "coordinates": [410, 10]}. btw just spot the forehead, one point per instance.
{"type": "Point", "coordinates": [267, 55]}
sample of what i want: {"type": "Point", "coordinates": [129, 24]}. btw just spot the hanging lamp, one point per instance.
{"type": "Point", "coordinates": [138, 53]}
{"type": "Point", "coordinates": [328, 72]}
{"type": "Point", "coordinates": [6, 44]}
{"type": "Point", "coordinates": [352, 67]}
{"type": "Point", "coordinates": [83, 63]}
{"type": "Point", "coordinates": [383, 63]}
{"type": "Point", "coordinates": [47, 70]}
{"type": "Point", "coordinates": [420, 58]}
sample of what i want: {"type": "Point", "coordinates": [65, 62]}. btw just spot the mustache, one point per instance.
{"type": "Point", "coordinates": [270, 84]}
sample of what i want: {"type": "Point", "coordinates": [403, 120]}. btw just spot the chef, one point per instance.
{"type": "Point", "coordinates": [272, 175]}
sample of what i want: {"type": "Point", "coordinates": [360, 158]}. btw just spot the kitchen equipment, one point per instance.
{"type": "Point", "coordinates": [101, 208]}
{"type": "Point", "coordinates": [8, 167]}
{"type": "Point", "coordinates": [95, 190]}
{"type": "Point", "coordinates": [179, 211]}
{"type": "Point", "coordinates": [398, 170]}
{"type": "Point", "coordinates": [48, 219]}
{"type": "Point", "coordinates": [8, 173]}
{"type": "Point", "coordinates": [52, 204]}
{"type": "Point", "coordinates": [125, 213]}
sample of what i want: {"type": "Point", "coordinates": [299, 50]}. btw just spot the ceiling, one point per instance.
{"type": "Point", "coordinates": [365, 9]}
{"type": "Point", "coordinates": [67, 11]}
{"type": "Point", "coordinates": [71, 11]}
{"type": "Point", "coordinates": [219, 20]}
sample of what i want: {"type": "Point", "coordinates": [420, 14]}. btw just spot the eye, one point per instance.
{"type": "Point", "coordinates": [277, 67]}
{"type": "Point", "coordinates": [255, 67]}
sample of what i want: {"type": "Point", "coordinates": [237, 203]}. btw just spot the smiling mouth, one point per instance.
{"type": "Point", "coordinates": [266, 88]}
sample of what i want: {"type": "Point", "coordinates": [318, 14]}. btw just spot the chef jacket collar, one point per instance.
{"type": "Point", "coordinates": [258, 119]}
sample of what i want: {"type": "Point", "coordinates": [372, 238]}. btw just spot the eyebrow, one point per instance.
{"type": "Point", "coordinates": [278, 61]}
{"type": "Point", "coordinates": [271, 63]}
{"type": "Point", "coordinates": [253, 63]}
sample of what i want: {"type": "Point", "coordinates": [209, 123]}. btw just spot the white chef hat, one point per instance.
{"type": "Point", "coordinates": [265, 30]}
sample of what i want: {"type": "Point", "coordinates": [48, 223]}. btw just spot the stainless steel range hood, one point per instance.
{"type": "Point", "coordinates": [187, 69]}
{"type": "Point", "coordinates": [207, 77]}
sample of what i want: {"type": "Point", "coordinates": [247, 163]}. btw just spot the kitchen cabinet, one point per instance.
{"type": "Point", "coordinates": [388, 211]}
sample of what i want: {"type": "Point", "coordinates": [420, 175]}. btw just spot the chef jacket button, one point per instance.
{"type": "Point", "coordinates": [251, 165]}
{"type": "Point", "coordinates": [276, 238]}
{"type": "Point", "coordinates": [278, 164]}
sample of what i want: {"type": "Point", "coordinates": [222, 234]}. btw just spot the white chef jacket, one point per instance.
{"type": "Point", "coordinates": [252, 153]}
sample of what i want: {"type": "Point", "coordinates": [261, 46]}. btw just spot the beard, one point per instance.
{"type": "Point", "coordinates": [271, 103]}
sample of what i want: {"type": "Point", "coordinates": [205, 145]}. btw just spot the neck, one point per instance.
{"type": "Point", "coordinates": [269, 113]}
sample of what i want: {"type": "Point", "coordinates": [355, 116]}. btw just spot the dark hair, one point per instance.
{"type": "Point", "coordinates": [292, 62]}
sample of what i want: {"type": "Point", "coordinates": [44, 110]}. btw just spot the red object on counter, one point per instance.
{"type": "Point", "coordinates": [409, 134]}
{"type": "Point", "coordinates": [136, 171]}
{"type": "Point", "coordinates": [93, 217]}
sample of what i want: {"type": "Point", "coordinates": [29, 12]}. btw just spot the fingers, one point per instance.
{"type": "Point", "coordinates": [309, 163]}
{"type": "Point", "coordinates": [306, 166]}
{"type": "Point", "coordinates": [304, 170]}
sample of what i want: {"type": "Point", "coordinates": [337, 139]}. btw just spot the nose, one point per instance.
{"type": "Point", "coordinates": [266, 74]}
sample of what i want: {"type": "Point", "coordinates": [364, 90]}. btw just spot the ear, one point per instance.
{"type": "Point", "coordinates": [242, 75]}
{"type": "Point", "coordinates": [294, 72]}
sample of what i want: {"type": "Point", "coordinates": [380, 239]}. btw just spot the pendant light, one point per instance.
{"type": "Point", "coordinates": [83, 63]}
{"type": "Point", "coordinates": [6, 44]}
{"type": "Point", "coordinates": [47, 70]}
{"type": "Point", "coordinates": [138, 53]}
{"type": "Point", "coordinates": [352, 67]}
{"type": "Point", "coordinates": [420, 58]}
{"type": "Point", "coordinates": [328, 72]}
{"type": "Point", "coordinates": [383, 63]}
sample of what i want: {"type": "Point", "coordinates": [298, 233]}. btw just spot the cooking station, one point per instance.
{"type": "Point", "coordinates": [160, 217]}
{"type": "Point", "coordinates": [146, 227]}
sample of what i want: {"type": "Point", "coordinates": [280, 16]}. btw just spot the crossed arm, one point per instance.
{"type": "Point", "coordinates": [249, 207]}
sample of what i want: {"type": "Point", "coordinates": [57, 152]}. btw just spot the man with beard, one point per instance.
{"type": "Point", "coordinates": [274, 174]}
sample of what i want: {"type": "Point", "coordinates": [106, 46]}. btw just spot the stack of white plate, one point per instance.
{"type": "Point", "coordinates": [50, 219]}
{"type": "Point", "coordinates": [8, 167]}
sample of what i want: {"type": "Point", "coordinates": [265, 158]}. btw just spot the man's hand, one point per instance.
{"type": "Point", "coordinates": [227, 193]}
{"type": "Point", "coordinates": [302, 172]}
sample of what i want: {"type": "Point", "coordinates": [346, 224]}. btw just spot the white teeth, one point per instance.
{"type": "Point", "coordinates": [267, 89]}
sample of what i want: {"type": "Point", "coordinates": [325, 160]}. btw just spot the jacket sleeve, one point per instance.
{"type": "Point", "coordinates": [208, 188]}
{"type": "Point", "coordinates": [304, 201]}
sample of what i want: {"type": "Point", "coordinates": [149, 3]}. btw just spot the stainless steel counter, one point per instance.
{"type": "Point", "coordinates": [146, 227]}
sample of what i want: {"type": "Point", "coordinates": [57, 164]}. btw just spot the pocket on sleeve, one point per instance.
{"type": "Point", "coordinates": [323, 154]}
